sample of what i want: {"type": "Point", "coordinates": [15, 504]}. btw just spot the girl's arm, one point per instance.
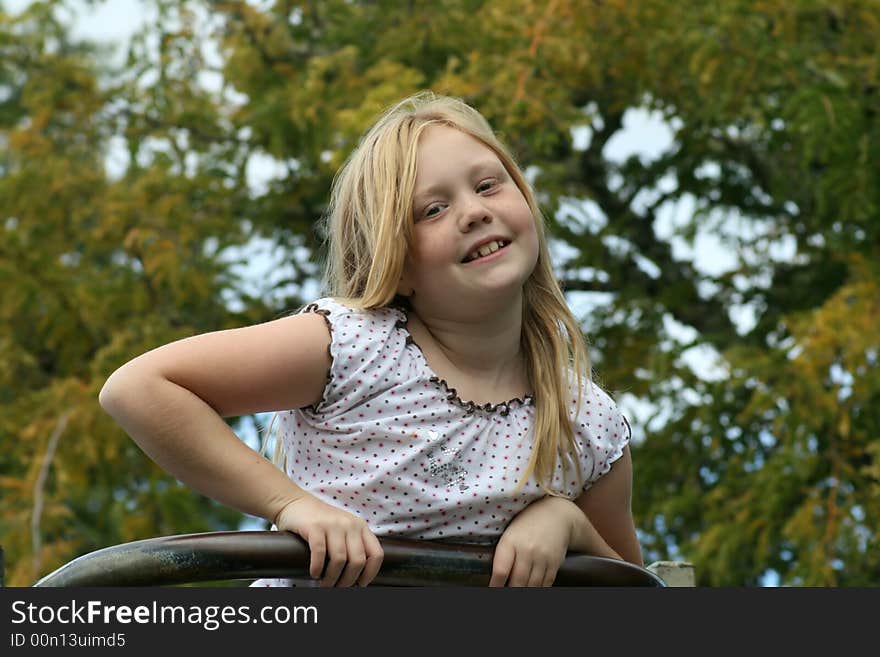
{"type": "Point", "coordinates": [607, 520]}
{"type": "Point", "coordinates": [599, 522]}
{"type": "Point", "coordinates": [172, 401]}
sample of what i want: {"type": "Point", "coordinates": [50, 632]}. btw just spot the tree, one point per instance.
{"type": "Point", "coordinates": [776, 464]}
{"type": "Point", "coordinates": [766, 464]}
{"type": "Point", "coordinates": [94, 271]}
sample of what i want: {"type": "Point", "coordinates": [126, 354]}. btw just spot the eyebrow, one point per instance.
{"type": "Point", "coordinates": [420, 195]}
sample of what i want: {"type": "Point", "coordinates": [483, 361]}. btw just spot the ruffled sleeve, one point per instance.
{"type": "Point", "coordinates": [601, 431]}
{"type": "Point", "coordinates": [365, 348]}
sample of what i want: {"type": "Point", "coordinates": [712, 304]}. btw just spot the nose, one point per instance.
{"type": "Point", "coordinates": [473, 212]}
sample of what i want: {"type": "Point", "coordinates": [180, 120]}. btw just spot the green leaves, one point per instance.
{"type": "Point", "coordinates": [94, 271]}
{"type": "Point", "coordinates": [764, 206]}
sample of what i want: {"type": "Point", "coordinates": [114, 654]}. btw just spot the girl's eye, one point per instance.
{"type": "Point", "coordinates": [431, 210]}
{"type": "Point", "coordinates": [486, 185]}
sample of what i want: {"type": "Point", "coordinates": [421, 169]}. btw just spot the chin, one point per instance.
{"type": "Point", "coordinates": [491, 299]}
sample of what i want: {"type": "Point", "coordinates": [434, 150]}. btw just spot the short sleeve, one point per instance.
{"type": "Point", "coordinates": [601, 432]}
{"type": "Point", "coordinates": [364, 349]}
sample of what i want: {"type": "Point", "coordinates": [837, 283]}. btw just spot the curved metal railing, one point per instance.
{"type": "Point", "coordinates": [217, 556]}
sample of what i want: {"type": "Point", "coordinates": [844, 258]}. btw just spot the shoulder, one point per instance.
{"type": "Point", "coordinates": [361, 329]}
{"type": "Point", "coordinates": [598, 409]}
{"type": "Point", "coordinates": [339, 311]}
{"type": "Point", "coordinates": [594, 404]}
{"type": "Point", "coordinates": [601, 430]}
{"type": "Point", "coordinates": [366, 350]}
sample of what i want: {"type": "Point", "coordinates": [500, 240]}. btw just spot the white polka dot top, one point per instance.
{"type": "Point", "coordinates": [392, 443]}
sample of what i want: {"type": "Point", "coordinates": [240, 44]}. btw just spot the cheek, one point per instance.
{"type": "Point", "coordinates": [531, 236]}
{"type": "Point", "coordinates": [430, 250]}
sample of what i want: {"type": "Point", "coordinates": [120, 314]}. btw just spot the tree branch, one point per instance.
{"type": "Point", "coordinates": [36, 541]}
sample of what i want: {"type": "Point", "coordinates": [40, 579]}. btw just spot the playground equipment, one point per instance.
{"type": "Point", "coordinates": [244, 555]}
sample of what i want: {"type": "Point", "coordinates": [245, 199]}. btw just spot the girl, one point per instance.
{"type": "Point", "coordinates": [441, 390]}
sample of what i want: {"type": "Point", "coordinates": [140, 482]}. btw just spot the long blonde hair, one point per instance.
{"type": "Point", "coordinates": [369, 229]}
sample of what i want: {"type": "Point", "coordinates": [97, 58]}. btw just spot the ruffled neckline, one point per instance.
{"type": "Point", "coordinates": [502, 408]}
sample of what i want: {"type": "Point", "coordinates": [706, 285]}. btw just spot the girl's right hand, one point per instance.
{"type": "Point", "coordinates": [352, 551]}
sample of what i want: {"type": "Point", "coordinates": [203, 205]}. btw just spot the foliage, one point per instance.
{"type": "Point", "coordinates": [94, 271]}
{"type": "Point", "coordinates": [766, 462]}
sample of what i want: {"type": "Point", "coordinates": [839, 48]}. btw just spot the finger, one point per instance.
{"type": "Point", "coordinates": [357, 558]}
{"type": "Point", "coordinates": [318, 550]}
{"type": "Point", "coordinates": [337, 555]}
{"type": "Point", "coordinates": [502, 563]}
{"type": "Point", "coordinates": [519, 575]}
{"type": "Point", "coordinates": [536, 576]}
{"type": "Point", "coordinates": [375, 555]}
{"type": "Point", "coordinates": [550, 576]}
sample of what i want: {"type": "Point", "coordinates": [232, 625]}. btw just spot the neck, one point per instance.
{"type": "Point", "coordinates": [486, 347]}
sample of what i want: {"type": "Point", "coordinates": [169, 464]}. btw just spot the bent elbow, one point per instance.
{"type": "Point", "coordinates": [109, 394]}
{"type": "Point", "coordinates": [115, 391]}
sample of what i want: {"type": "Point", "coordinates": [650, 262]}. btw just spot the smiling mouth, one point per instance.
{"type": "Point", "coordinates": [486, 249]}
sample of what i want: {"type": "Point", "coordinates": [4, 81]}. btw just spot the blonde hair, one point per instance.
{"type": "Point", "coordinates": [369, 228]}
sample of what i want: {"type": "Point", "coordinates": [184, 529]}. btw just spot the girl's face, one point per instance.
{"type": "Point", "coordinates": [475, 238]}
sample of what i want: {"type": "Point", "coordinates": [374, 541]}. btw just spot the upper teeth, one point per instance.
{"type": "Point", "coordinates": [486, 249]}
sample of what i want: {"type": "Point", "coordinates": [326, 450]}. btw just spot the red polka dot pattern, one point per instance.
{"type": "Point", "coordinates": [391, 445]}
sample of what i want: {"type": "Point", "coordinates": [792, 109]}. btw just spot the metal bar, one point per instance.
{"type": "Point", "coordinates": [215, 556]}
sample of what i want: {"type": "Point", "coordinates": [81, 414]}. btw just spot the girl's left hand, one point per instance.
{"type": "Point", "coordinates": [534, 544]}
